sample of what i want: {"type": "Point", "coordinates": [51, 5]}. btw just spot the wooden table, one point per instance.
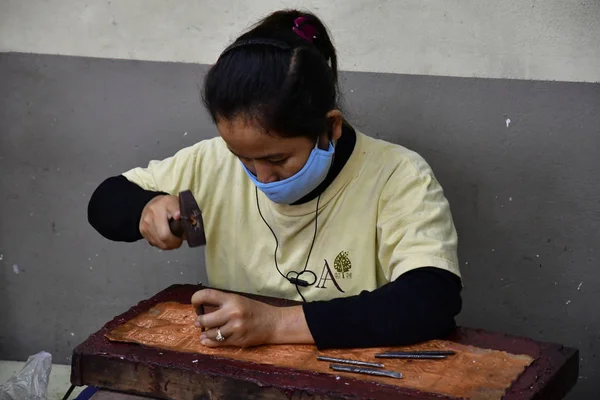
{"type": "Point", "coordinates": [108, 395]}
{"type": "Point", "coordinates": [158, 373]}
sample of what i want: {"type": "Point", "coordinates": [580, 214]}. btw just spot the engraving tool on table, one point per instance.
{"type": "Point", "coordinates": [200, 310]}
{"type": "Point", "coordinates": [425, 352]}
{"type": "Point", "coordinates": [417, 355]}
{"type": "Point", "coordinates": [412, 356]}
{"type": "Point", "coordinates": [366, 371]}
{"type": "Point", "coordinates": [353, 362]}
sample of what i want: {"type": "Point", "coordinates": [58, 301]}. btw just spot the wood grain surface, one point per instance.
{"type": "Point", "coordinates": [472, 373]}
{"type": "Point", "coordinates": [292, 372]}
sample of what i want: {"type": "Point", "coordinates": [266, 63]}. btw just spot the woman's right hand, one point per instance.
{"type": "Point", "coordinates": [154, 223]}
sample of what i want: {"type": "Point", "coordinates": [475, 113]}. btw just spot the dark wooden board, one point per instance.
{"type": "Point", "coordinates": [107, 395]}
{"type": "Point", "coordinates": [173, 375]}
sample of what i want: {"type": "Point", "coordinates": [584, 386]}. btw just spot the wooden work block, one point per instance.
{"type": "Point", "coordinates": [172, 364]}
{"type": "Point", "coordinates": [106, 395]}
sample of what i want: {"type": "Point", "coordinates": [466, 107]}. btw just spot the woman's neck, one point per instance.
{"type": "Point", "coordinates": [343, 151]}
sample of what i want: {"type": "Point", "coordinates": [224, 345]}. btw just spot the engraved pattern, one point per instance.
{"type": "Point", "coordinates": [471, 373]}
{"type": "Point", "coordinates": [177, 316]}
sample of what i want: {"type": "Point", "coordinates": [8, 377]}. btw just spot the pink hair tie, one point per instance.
{"type": "Point", "coordinates": [304, 29]}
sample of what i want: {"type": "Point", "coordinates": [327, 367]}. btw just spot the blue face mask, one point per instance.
{"type": "Point", "coordinates": [295, 187]}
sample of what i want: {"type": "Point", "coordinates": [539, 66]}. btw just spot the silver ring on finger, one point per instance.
{"type": "Point", "coordinates": [219, 337]}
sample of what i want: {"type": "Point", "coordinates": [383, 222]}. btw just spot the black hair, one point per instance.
{"type": "Point", "coordinates": [283, 80]}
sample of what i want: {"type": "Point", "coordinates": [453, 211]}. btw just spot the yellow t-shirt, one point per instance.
{"type": "Point", "coordinates": [383, 215]}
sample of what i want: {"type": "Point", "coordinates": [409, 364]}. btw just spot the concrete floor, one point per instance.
{"type": "Point", "coordinates": [59, 378]}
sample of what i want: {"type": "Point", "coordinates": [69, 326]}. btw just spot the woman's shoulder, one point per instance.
{"type": "Point", "coordinates": [383, 155]}
{"type": "Point", "coordinates": [211, 152]}
{"type": "Point", "coordinates": [214, 144]}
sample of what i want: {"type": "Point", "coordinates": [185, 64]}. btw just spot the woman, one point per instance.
{"type": "Point", "coordinates": [298, 204]}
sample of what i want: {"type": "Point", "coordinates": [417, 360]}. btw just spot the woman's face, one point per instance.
{"type": "Point", "coordinates": [270, 157]}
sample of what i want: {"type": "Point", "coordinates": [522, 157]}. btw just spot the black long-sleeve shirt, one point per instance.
{"type": "Point", "coordinates": [423, 301]}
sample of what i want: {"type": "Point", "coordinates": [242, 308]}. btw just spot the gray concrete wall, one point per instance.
{"type": "Point", "coordinates": [523, 39]}
{"type": "Point", "coordinates": [525, 196]}
{"type": "Point", "coordinates": [525, 193]}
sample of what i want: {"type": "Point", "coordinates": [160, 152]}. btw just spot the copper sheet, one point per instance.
{"type": "Point", "coordinates": [473, 373]}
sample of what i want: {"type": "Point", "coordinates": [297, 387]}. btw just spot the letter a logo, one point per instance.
{"type": "Point", "coordinates": [326, 275]}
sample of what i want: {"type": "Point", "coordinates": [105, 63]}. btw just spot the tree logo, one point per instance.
{"type": "Point", "coordinates": [342, 265]}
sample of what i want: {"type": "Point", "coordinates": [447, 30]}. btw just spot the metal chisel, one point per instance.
{"type": "Point", "coordinates": [419, 355]}
{"type": "Point", "coordinates": [366, 371]}
{"type": "Point", "coordinates": [352, 362]}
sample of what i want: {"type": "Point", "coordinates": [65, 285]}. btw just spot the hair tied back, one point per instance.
{"type": "Point", "coordinates": [305, 30]}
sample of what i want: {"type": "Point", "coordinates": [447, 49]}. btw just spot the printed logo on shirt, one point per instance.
{"type": "Point", "coordinates": [342, 265]}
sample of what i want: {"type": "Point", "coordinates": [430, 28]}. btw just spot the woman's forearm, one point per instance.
{"type": "Point", "coordinates": [291, 327]}
{"type": "Point", "coordinates": [115, 208]}
{"type": "Point", "coordinates": [420, 305]}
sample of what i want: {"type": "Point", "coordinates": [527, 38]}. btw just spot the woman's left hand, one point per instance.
{"type": "Point", "coordinates": [243, 322]}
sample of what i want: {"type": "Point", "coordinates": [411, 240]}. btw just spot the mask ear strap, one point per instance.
{"type": "Point", "coordinates": [329, 140]}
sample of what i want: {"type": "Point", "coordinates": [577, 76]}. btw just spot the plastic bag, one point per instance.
{"type": "Point", "coordinates": [31, 383]}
